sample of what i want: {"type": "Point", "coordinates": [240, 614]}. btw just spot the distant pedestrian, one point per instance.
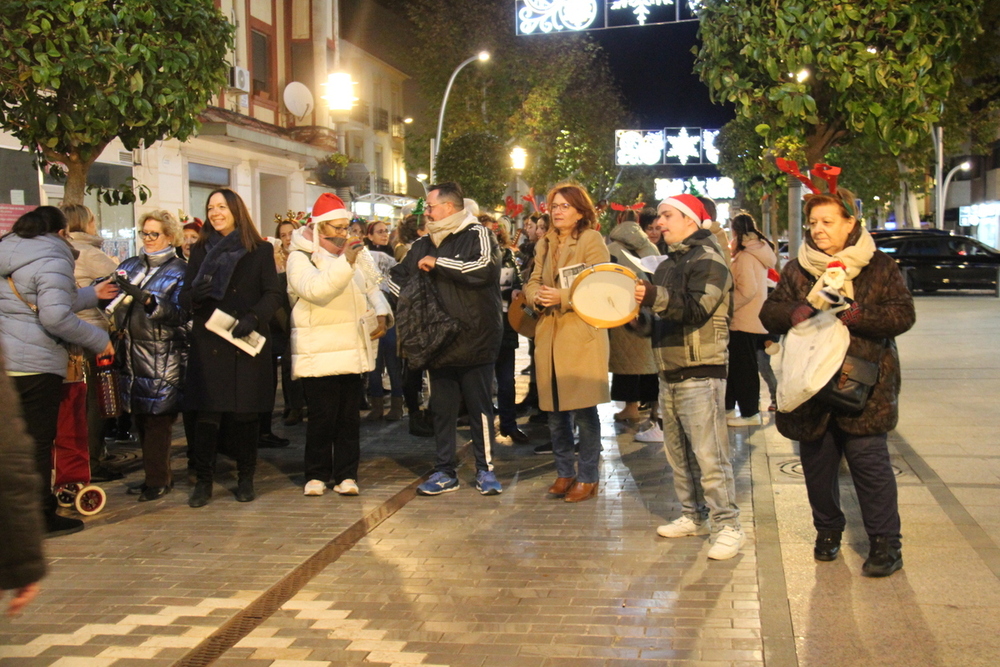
{"type": "Point", "coordinates": [510, 286]}
{"type": "Point", "coordinates": [462, 260]}
{"type": "Point", "coordinates": [153, 344]}
{"type": "Point", "coordinates": [292, 392]}
{"type": "Point", "coordinates": [690, 296]}
{"type": "Point", "coordinates": [231, 269]}
{"type": "Point", "coordinates": [387, 361]}
{"type": "Point", "coordinates": [571, 356]}
{"type": "Point", "coordinates": [22, 564]}
{"type": "Point", "coordinates": [38, 300]}
{"type": "Point", "coordinates": [336, 316]}
{"type": "Point", "coordinates": [839, 258]}
{"type": "Point", "coordinates": [753, 255]}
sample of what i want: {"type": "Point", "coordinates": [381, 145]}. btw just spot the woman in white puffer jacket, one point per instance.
{"type": "Point", "coordinates": [335, 317]}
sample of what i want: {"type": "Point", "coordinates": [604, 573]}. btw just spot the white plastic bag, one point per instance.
{"type": "Point", "coordinates": [811, 352]}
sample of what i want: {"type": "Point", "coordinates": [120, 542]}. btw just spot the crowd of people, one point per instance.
{"type": "Point", "coordinates": [208, 316]}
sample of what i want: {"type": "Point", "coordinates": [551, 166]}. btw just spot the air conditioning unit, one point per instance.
{"type": "Point", "coordinates": [239, 79]}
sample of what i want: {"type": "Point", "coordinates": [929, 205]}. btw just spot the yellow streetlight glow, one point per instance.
{"type": "Point", "coordinates": [339, 92]}
{"type": "Point", "coordinates": [518, 158]}
{"type": "Point", "coordinates": [484, 56]}
{"type": "Point", "coordinates": [407, 120]}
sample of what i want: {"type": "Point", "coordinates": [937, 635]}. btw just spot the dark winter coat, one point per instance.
{"type": "Point", "coordinates": [467, 278]}
{"type": "Point", "coordinates": [21, 560]}
{"type": "Point", "coordinates": [885, 310]}
{"type": "Point", "coordinates": [220, 376]}
{"type": "Point", "coordinates": [510, 340]}
{"type": "Point", "coordinates": [153, 350]}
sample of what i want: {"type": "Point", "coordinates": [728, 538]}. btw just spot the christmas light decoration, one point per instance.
{"type": "Point", "coordinates": [641, 7]}
{"type": "Point", "coordinates": [555, 15]}
{"type": "Point", "coordinates": [708, 138]}
{"type": "Point", "coordinates": [636, 147]}
{"type": "Point", "coordinates": [716, 188]}
{"type": "Point", "coordinates": [684, 147]}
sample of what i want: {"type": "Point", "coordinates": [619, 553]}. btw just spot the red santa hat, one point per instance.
{"type": "Point", "coordinates": [690, 206]}
{"type": "Point", "coordinates": [329, 207]}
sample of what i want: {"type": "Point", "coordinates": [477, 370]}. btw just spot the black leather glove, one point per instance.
{"type": "Point", "coordinates": [246, 324]}
{"type": "Point", "coordinates": [201, 290]}
{"type": "Point", "coordinates": [132, 290]}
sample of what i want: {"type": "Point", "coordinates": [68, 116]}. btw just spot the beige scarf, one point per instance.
{"type": "Point", "coordinates": [837, 272]}
{"type": "Point", "coordinates": [456, 222]}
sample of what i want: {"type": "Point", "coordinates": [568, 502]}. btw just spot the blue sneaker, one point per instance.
{"type": "Point", "coordinates": [438, 483]}
{"type": "Point", "coordinates": [487, 483]}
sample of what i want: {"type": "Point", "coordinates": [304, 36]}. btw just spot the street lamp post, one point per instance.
{"type": "Point", "coordinates": [518, 161]}
{"type": "Point", "coordinates": [965, 166]}
{"type": "Point", "coordinates": [482, 56]}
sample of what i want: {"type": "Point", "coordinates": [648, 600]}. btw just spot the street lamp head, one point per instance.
{"type": "Point", "coordinates": [518, 158]}
{"type": "Point", "coordinates": [965, 166]}
{"type": "Point", "coordinates": [407, 120]}
{"type": "Point", "coordinates": [484, 56]}
{"type": "Point", "coordinates": [422, 177]}
{"type": "Point", "coordinates": [339, 92]}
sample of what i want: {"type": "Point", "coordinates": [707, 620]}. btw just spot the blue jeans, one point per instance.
{"type": "Point", "coordinates": [386, 361]}
{"type": "Point", "coordinates": [696, 441]}
{"type": "Point", "coordinates": [561, 428]}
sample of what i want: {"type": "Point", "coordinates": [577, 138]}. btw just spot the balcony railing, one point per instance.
{"type": "Point", "coordinates": [381, 123]}
{"type": "Point", "coordinates": [359, 113]}
{"type": "Point", "coordinates": [383, 186]}
{"type": "Point", "coordinates": [398, 128]}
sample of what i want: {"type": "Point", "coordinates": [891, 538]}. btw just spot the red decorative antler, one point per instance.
{"type": "Point", "coordinates": [829, 174]}
{"type": "Point", "coordinates": [791, 168]}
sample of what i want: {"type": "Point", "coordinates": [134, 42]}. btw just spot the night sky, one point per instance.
{"type": "Point", "coordinates": [653, 67]}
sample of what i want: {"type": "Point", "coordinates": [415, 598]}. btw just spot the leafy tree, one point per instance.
{"type": "Point", "coordinates": [553, 95]}
{"type": "Point", "coordinates": [829, 70]}
{"type": "Point", "coordinates": [477, 161]}
{"type": "Point", "coordinates": [75, 74]}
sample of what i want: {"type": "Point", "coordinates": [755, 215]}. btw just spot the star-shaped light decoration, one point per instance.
{"type": "Point", "coordinates": [641, 7]}
{"type": "Point", "coordinates": [685, 148]}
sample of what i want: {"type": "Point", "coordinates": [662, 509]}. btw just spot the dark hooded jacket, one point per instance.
{"type": "Point", "coordinates": [885, 310]}
{"type": "Point", "coordinates": [153, 350]}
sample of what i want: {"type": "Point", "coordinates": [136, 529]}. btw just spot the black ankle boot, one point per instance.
{"type": "Point", "coordinates": [244, 489]}
{"type": "Point", "coordinates": [200, 494]}
{"type": "Point", "coordinates": [827, 545]}
{"type": "Point", "coordinates": [883, 558]}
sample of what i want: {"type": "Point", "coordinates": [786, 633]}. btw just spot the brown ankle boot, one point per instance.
{"type": "Point", "coordinates": [581, 491]}
{"type": "Point", "coordinates": [377, 403]}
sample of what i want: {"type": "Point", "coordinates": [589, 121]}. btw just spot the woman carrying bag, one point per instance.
{"type": "Point", "coordinates": [839, 269]}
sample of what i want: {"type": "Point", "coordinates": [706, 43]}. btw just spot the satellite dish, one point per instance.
{"type": "Point", "coordinates": [298, 99]}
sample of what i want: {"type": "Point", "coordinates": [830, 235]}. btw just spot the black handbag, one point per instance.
{"type": "Point", "coordinates": [424, 325]}
{"type": "Point", "coordinates": [848, 390]}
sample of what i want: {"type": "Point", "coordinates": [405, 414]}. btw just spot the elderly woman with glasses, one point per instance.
{"type": "Point", "coordinates": [152, 347]}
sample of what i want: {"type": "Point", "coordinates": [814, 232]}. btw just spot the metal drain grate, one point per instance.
{"type": "Point", "coordinates": [258, 611]}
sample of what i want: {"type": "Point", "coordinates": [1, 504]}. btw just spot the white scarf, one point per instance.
{"type": "Point", "coordinates": [456, 222]}
{"type": "Point", "coordinates": [837, 272]}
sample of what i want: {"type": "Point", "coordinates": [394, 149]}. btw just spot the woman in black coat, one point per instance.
{"type": "Point", "coordinates": [153, 348]}
{"type": "Point", "coordinates": [232, 269]}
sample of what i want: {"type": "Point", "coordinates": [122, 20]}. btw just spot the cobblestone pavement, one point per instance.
{"type": "Point", "coordinates": [523, 579]}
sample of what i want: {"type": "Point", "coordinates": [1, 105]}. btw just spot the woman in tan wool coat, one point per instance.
{"type": "Point", "coordinates": [571, 357]}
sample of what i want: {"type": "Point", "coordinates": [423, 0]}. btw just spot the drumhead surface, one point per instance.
{"type": "Point", "coordinates": [604, 296]}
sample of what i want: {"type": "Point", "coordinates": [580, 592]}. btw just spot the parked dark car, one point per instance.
{"type": "Point", "coordinates": [933, 260]}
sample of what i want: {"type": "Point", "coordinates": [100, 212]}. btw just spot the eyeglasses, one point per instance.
{"type": "Point", "coordinates": [562, 207]}
{"type": "Point", "coordinates": [149, 236]}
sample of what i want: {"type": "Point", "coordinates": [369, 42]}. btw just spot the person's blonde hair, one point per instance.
{"type": "Point", "coordinates": [78, 217]}
{"type": "Point", "coordinates": [171, 227]}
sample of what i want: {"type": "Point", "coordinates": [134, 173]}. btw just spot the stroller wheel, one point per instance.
{"type": "Point", "coordinates": [66, 494]}
{"type": "Point", "coordinates": [90, 500]}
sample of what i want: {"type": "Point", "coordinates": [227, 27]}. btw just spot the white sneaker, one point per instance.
{"type": "Point", "coordinates": [684, 526]}
{"type": "Point", "coordinates": [652, 434]}
{"type": "Point", "coordinates": [744, 421]}
{"type": "Point", "coordinates": [727, 543]}
{"type": "Point", "coordinates": [347, 488]}
{"type": "Point", "coordinates": [314, 487]}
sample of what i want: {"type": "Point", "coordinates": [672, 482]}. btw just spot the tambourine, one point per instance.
{"type": "Point", "coordinates": [603, 295]}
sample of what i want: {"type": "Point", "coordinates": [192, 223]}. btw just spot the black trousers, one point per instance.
{"type": "Point", "coordinates": [241, 432]}
{"type": "Point", "coordinates": [413, 378]}
{"type": "Point", "coordinates": [504, 368]}
{"type": "Point", "coordinates": [743, 383]}
{"type": "Point", "coordinates": [40, 398]}
{"type": "Point", "coordinates": [871, 470]}
{"type": "Point", "coordinates": [333, 432]}
{"type": "Point", "coordinates": [449, 386]}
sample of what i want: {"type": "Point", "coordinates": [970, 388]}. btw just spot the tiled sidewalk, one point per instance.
{"type": "Point", "coordinates": [522, 579]}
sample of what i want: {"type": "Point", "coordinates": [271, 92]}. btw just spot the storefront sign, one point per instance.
{"type": "Point", "coordinates": [9, 213]}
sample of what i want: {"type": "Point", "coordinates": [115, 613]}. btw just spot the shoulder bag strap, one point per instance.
{"type": "Point", "coordinates": [13, 287]}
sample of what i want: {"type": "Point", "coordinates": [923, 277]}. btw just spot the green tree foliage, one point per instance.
{"type": "Point", "coordinates": [478, 162]}
{"type": "Point", "coordinates": [877, 68]}
{"type": "Point", "coordinates": [75, 74]}
{"type": "Point", "coordinates": [551, 94]}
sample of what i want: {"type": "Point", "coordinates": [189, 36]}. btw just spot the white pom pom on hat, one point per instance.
{"type": "Point", "coordinates": [690, 206]}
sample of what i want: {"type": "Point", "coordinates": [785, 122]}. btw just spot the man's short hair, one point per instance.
{"type": "Point", "coordinates": [449, 191]}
